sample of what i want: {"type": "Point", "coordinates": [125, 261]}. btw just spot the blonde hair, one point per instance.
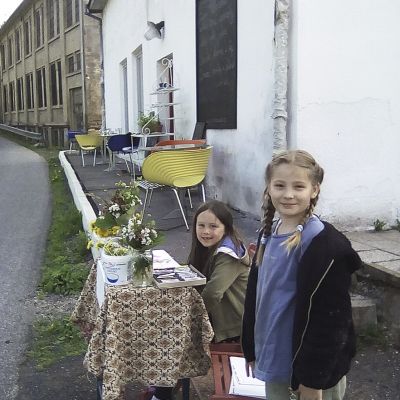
{"type": "Point", "coordinates": [299, 158]}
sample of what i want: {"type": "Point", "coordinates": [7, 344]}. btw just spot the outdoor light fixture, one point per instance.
{"type": "Point", "coordinates": [154, 30]}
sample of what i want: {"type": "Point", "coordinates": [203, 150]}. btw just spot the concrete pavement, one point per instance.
{"type": "Point", "coordinates": [380, 251]}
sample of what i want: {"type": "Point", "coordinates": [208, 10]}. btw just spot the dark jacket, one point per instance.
{"type": "Point", "coordinates": [323, 341]}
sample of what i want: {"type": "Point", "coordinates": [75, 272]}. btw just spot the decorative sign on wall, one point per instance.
{"type": "Point", "coordinates": [216, 49]}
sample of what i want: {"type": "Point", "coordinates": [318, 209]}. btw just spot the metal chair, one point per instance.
{"type": "Point", "coordinates": [71, 137]}
{"type": "Point", "coordinates": [89, 143]}
{"type": "Point", "coordinates": [178, 169]}
{"type": "Point", "coordinates": [116, 145]}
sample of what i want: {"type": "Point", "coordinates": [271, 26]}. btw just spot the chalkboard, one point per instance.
{"type": "Point", "coordinates": [216, 52]}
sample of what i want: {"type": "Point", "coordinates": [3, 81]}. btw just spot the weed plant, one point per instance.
{"type": "Point", "coordinates": [65, 270]}
{"type": "Point", "coordinates": [379, 225]}
{"type": "Point", "coordinates": [53, 340]}
{"type": "Point", "coordinates": [373, 335]}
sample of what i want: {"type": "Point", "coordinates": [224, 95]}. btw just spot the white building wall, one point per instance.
{"type": "Point", "coordinates": [236, 171]}
{"type": "Point", "coordinates": [345, 104]}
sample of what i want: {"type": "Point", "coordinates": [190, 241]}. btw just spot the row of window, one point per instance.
{"type": "Point", "coordinates": [12, 47]}
{"type": "Point", "coordinates": [19, 94]}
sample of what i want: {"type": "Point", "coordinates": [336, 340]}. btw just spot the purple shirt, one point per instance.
{"type": "Point", "coordinates": [275, 304]}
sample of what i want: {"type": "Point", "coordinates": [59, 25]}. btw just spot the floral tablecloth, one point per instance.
{"type": "Point", "coordinates": [146, 335]}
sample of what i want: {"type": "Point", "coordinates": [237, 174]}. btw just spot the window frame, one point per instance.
{"type": "Point", "coordinates": [56, 89]}
{"type": "Point", "coordinates": [29, 91]}
{"type": "Point", "coordinates": [39, 28]}
{"type": "Point", "coordinates": [11, 95]}
{"type": "Point", "coordinates": [28, 36]}
{"type": "Point", "coordinates": [41, 91]}
{"type": "Point", "coordinates": [53, 19]}
{"type": "Point", "coordinates": [17, 43]}
{"type": "Point", "coordinates": [20, 94]}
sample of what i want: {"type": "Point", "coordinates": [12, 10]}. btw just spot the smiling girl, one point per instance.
{"type": "Point", "coordinates": [297, 326]}
{"type": "Point", "coordinates": [218, 252]}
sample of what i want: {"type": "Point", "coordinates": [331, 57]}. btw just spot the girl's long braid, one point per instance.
{"type": "Point", "coordinates": [294, 240]}
{"type": "Point", "coordinates": [269, 212]}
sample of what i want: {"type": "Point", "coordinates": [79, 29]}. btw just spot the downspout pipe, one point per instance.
{"type": "Point", "coordinates": [280, 113]}
{"type": "Point", "coordinates": [103, 106]}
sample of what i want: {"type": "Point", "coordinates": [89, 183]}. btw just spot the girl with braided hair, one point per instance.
{"type": "Point", "coordinates": [297, 332]}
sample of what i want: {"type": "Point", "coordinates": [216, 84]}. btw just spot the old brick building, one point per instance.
{"type": "Point", "coordinates": [50, 68]}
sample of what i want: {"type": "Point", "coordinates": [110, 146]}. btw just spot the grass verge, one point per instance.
{"type": "Point", "coordinates": [54, 340]}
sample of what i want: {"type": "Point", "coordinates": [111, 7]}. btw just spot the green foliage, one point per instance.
{"type": "Point", "coordinates": [54, 340]}
{"type": "Point", "coordinates": [64, 277]}
{"type": "Point", "coordinates": [373, 335]}
{"type": "Point", "coordinates": [379, 225]}
{"type": "Point", "coordinates": [64, 269]}
{"type": "Point", "coordinates": [149, 121]}
{"type": "Point", "coordinates": [397, 225]}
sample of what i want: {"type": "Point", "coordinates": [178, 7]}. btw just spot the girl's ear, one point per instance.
{"type": "Point", "coordinates": [315, 192]}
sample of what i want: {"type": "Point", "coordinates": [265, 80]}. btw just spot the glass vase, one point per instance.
{"type": "Point", "coordinates": [142, 268]}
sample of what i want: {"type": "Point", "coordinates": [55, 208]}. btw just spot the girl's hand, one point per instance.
{"type": "Point", "coordinates": [307, 393]}
{"type": "Point", "coordinates": [250, 369]}
{"type": "Point", "coordinates": [252, 249]}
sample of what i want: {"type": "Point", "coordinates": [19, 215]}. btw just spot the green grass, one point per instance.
{"type": "Point", "coordinates": [373, 335]}
{"type": "Point", "coordinates": [54, 340]}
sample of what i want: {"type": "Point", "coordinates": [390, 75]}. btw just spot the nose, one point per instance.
{"type": "Point", "coordinates": [288, 193]}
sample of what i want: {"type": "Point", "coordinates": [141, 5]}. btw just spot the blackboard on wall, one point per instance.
{"type": "Point", "coordinates": [216, 51]}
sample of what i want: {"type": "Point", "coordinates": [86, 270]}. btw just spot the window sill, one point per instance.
{"type": "Point", "coordinates": [53, 39]}
{"type": "Point", "coordinates": [73, 73]}
{"type": "Point", "coordinates": [70, 28]}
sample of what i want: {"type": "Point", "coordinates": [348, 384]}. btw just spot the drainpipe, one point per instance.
{"type": "Point", "coordinates": [103, 106]}
{"type": "Point", "coordinates": [279, 113]}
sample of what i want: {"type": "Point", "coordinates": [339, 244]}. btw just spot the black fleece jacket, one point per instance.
{"type": "Point", "coordinates": [323, 341]}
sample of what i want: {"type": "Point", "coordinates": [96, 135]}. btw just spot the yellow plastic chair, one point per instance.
{"type": "Point", "coordinates": [88, 143]}
{"type": "Point", "coordinates": [178, 169]}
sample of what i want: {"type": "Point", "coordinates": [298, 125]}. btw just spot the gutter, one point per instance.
{"type": "Point", "coordinates": [279, 113]}
{"type": "Point", "coordinates": [103, 106]}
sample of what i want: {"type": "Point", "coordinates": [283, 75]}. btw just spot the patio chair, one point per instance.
{"type": "Point", "coordinates": [177, 169]}
{"type": "Point", "coordinates": [71, 137]}
{"type": "Point", "coordinates": [89, 143]}
{"type": "Point", "coordinates": [116, 145]}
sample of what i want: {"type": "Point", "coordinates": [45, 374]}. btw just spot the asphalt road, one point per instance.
{"type": "Point", "coordinates": [25, 209]}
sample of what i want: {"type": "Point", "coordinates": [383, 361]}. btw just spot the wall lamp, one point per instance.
{"type": "Point", "coordinates": [154, 30]}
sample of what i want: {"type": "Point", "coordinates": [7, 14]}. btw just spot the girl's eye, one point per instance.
{"type": "Point", "coordinates": [278, 185]}
{"type": "Point", "coordinates": [200, 225]}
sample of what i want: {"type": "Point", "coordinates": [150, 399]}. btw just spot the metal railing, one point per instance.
{"type": "Point", "coordinates": [22, 132]}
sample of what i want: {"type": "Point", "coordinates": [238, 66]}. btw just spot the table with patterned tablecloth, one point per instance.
{"type": "Point", "coordinates": [148, 335]}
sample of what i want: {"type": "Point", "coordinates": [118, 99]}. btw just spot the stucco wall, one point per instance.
{"type": "Point", "coordinates": [345, 105]}
{"type": "Point", "coordinates": [239, 157]}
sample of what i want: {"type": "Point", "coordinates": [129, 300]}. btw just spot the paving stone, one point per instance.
{"type": "Point", "coordinates": [391, 265]}
{"type": "Point", "coordinates": [376, 256]}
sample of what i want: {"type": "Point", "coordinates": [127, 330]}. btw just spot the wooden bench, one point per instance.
{"type": "Point", "coordinates": [220, 353]}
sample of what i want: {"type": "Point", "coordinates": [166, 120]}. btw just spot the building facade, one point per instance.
{"type": "Point", "coordinates": [50, 68]}
{"type": "Point", "coordinates": [341, 91]}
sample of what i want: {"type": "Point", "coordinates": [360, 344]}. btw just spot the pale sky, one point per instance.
{"type": "Point", "coordinates": [7, 7]}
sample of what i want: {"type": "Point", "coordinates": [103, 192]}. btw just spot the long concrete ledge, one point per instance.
{"type": "Point", "coordinates": [80, 199]}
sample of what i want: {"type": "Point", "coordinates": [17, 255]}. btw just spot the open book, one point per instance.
{"type": "Point", "coordinates": [243, 385]}
{"type": "Point", "coordinates": [167, 273]}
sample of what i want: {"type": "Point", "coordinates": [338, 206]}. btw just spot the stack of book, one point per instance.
{"type": "Point", "coordinates": [167, 273]}
{"type": "Point", "coordinates": [243, 385]}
